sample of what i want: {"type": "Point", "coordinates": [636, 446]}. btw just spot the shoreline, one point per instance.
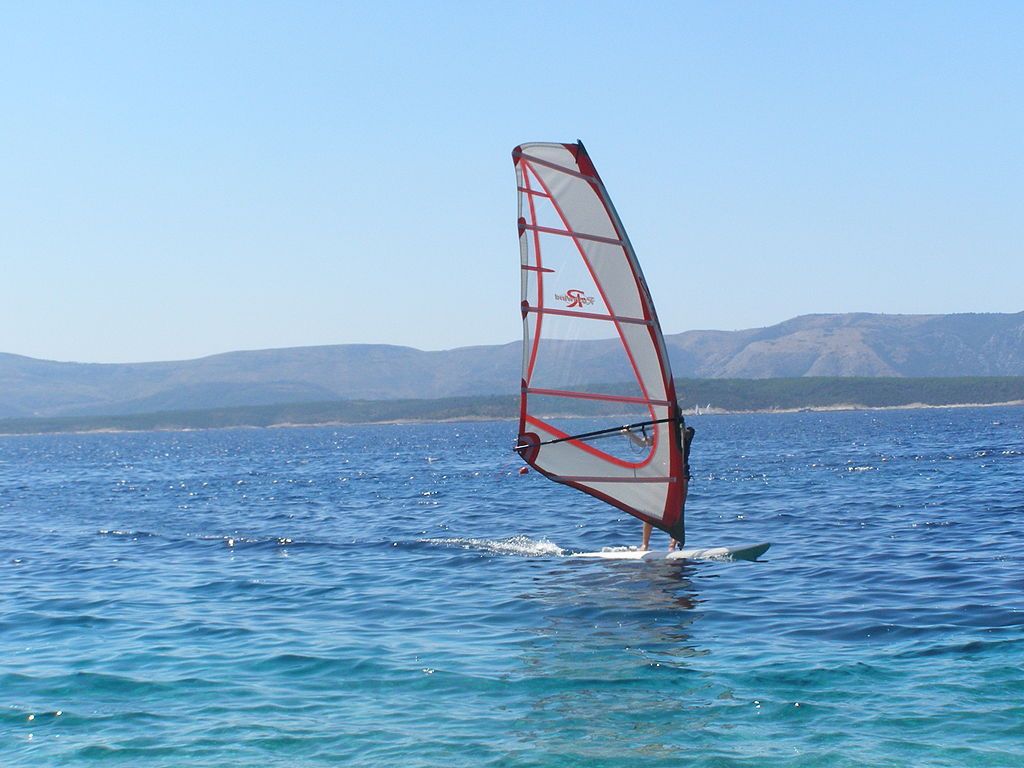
{"type": "Point", "coordinates": [712, 411]}
{"type": "Point", "coordinates": [855, 407]}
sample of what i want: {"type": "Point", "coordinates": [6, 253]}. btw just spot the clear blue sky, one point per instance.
{"type": "Point", "coordinates": [180, 179]}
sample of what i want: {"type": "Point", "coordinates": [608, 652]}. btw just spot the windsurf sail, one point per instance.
{"type": "Point", "coordinates": [598, 409]}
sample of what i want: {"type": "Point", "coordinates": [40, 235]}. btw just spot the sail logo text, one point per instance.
{"type": "Point", "coordinates": [575, 298]}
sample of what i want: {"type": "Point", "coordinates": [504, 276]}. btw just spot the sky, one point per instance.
{"type": "Point", "coordinates": [182, 179]}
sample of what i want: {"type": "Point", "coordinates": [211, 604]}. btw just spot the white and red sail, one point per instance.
{"type": "Point", "coordinates": [593, 354]}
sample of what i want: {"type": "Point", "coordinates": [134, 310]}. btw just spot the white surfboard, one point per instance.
{"type": "Point", "coordinates": [748, 552]}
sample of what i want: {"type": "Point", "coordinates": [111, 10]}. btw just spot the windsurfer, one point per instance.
{"type": "Point", "coordinates": [642, 439]}
{"type": "Point", "coordinates": [592, 291]}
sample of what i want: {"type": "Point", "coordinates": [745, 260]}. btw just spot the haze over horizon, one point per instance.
{"type": "Point", "coordinates": [189, 180]}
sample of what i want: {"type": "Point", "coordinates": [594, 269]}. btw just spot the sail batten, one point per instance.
{"type": "Point", "coordinates": [528, 191]}
{"type": "Point", "coordinates": [574, 235]}
{"type": "Point", "coordinates": [593, 352]}
{"type": "Point", "coordinates": [585, 315]}
{"type": "Point", "coordinates": [594, 396]}
{"type": "Point", "coordinates": [553, 166]}
{"type": "Point", "coordinates": [579, 479]}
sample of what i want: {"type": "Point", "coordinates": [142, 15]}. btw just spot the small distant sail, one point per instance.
{"type": "Point", "coordinates": [598, 409]}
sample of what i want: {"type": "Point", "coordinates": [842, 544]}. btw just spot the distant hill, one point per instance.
{"type": "Point", "coordinates": [858, 344]}
{"type": "Point", "coordinates": [809, 346]}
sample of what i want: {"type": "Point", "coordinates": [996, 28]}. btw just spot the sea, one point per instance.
{"type": "Point", "coordinates": [399, 595]}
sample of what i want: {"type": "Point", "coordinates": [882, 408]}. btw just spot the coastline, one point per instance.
{"type": "Point", "coordinates": [857, 407]}
{"type": "Point", "coordinates": [398, 421]}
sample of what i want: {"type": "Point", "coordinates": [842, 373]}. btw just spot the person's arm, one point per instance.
{"type": "Point", "coordinates": [643, 440]}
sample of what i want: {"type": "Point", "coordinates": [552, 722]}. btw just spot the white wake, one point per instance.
{"type": "Point", "coordinates": [522, 546]}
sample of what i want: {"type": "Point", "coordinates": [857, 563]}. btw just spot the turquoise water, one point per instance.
{"type": "Point", "coordinates": [398, 595]}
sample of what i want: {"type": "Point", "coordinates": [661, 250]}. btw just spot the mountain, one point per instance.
{"type": "Point", "coordinates": [858, 344]}
{"type": "Point", "coordinates": [30, 387]}
{"type": "Point", "coordinates": [811, 345]}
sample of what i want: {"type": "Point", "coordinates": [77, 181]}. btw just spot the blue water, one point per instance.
{"type": "Point", "coordinates": [399, 595]}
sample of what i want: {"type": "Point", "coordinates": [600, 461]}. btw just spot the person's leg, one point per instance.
{"type": "Point", "coordinates": [647, 536]}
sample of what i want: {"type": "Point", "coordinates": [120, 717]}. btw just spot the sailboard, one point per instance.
{"type": "Point", "coordinates": [748, 552]}
{"type": "Point", "coordinates": [598, 406]}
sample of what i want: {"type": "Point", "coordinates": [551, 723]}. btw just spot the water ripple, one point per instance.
{"type": "Point", "coordinates": [382, 595]}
